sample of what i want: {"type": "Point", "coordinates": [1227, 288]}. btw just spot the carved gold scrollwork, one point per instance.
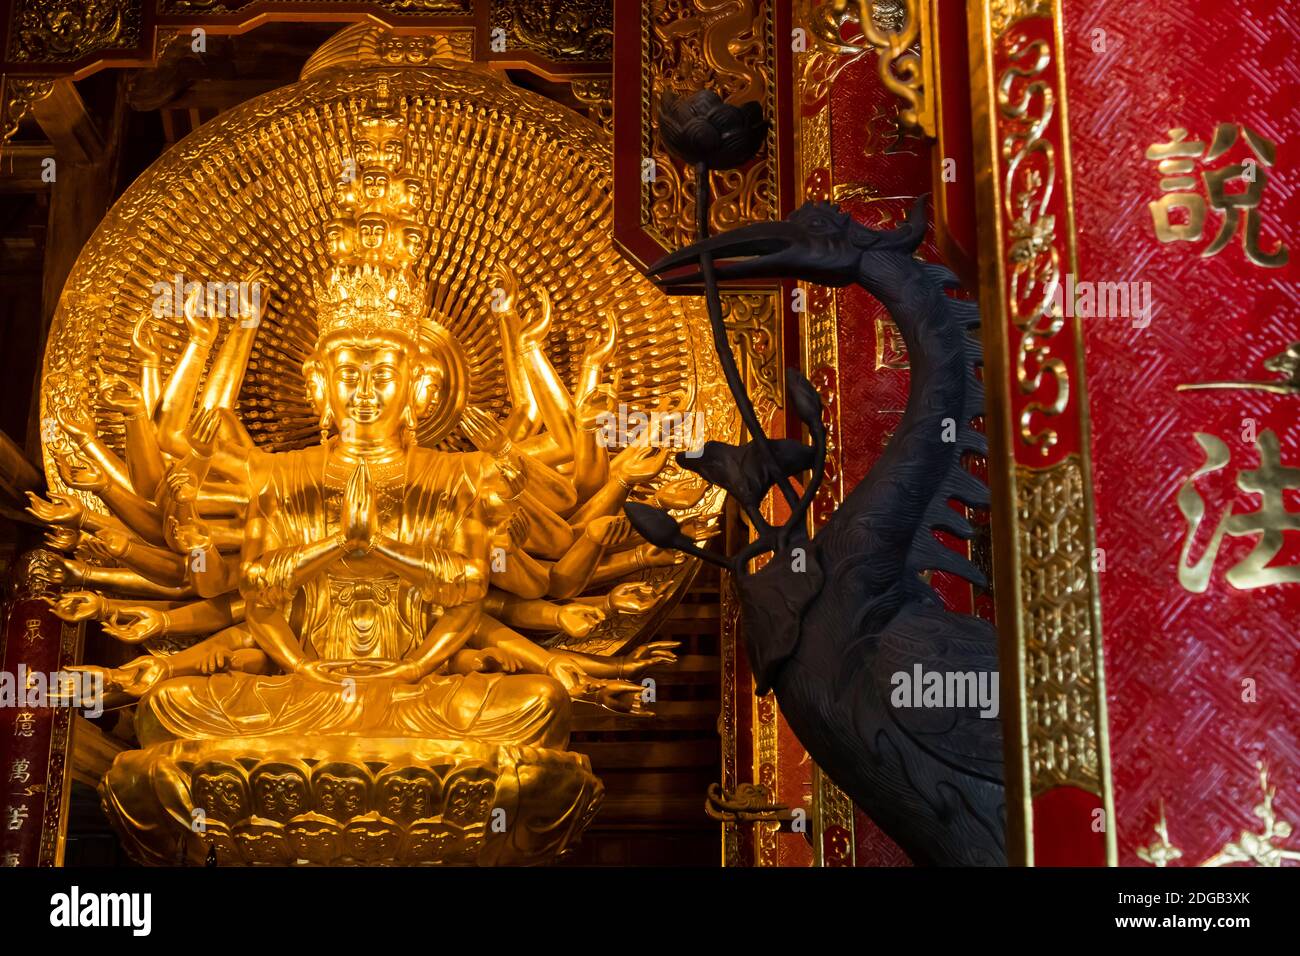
{"type": "Point", "coordinates": [19, 95]}
{"type": "Point", "coordinates": [901, 33]}
{"type": "Point", "coordinates": [752, 318]}
{"type": "Point", "coordinates": [597, 95]}
{"type": "Point", "coordinates": [58, 31]}
{"type": "Point", "coordinates": [557, 29]}
{"type": "Point", "coordinates": [1004, 14]}
{"type": "Point", "coordinates": [1033, 255]}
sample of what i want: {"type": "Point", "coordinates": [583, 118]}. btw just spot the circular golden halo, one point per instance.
{"type": "Point", "coordinates": [518, 183]}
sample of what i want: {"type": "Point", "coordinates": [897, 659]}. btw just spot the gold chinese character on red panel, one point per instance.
{"type": "Point", "coordinates": [1271, 480]}
{"type": "Point", "coordinates": [1234, 190]}
{"type": "Point", "coordinates": [891, 350]}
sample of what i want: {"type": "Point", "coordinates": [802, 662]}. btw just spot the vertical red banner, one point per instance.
{"type": "Point", "coordinates": [35, 741]}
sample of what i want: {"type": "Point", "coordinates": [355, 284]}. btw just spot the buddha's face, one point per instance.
{"type": "Point", "coordinates": [368, 387]}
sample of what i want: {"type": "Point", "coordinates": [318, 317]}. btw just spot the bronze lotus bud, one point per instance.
{"type": "Point", "coordinates": [702, 128]}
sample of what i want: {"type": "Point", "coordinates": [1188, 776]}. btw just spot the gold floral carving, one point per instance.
{"type": "Point", "coordinates": [560, 30]}
{"type": "Point", "coordinates": [60, 31]}
{"type": "Point", "coordinates": [1056, 621]}
{"type": "Point", "coordinates": [597, 95]}
{"type": "Point", "coordinates": [1262, 849]}
{"type": "Point", "coordinates": [753, 324]}
{"type": "Point", "coordinates": [58, 787]}
{"type": "Point", "coordinates": [409, 7]}
{"type": "Point", "coordinates": [1043, 537]}
{"type": "Point", "coordinates": [727, 719]}
{"type": "Point", "coordinates": [19, 95]}
{"type": "Point", "coordinates": [766, 758]}
{"type": "Point", "coordinates": [725, 46]}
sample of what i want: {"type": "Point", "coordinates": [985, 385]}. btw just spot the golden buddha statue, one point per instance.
{"type": "Point", "coordinates": [315, 613]}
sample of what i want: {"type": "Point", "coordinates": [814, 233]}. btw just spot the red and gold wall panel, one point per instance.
{"type": "Point", "coordinates": [1187, 189]}
{"type": "Point", "coordinates": [1138, 203]}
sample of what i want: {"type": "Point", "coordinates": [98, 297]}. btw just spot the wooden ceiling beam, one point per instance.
{"type": "Point", "coordinates": [64, 119]}
{"type": "Point", "coordinates": [21, 166]}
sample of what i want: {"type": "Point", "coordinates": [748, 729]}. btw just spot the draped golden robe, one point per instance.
{"type": "Point", "coordinates": [432, 502]}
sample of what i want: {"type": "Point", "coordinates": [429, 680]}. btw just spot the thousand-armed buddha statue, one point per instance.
{"type": "Point", "coordinates": [362, 601]}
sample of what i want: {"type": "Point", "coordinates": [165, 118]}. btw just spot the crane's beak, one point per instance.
{"type": "Point", "coordinates": [763, 250]}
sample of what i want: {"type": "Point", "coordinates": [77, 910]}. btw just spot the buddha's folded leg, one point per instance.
{"type": "Point", "coordinates": [526, 709]}
{"type": "Point", "coordinates": [239, 704]}
{"type": "Point", "coordinates": [530, 710]}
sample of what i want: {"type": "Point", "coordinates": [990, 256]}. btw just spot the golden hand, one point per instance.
{"type": "Point", "coordinates": [252, 310]}
{"type": "Point", "coordinates": [77, 421]}
{"type": "Point", "coordinates": [326, 672]}
{"type": "Point", "coordinates": [610, 531]}
{"type": "Point", "coordinates": [595, 408]}
{"type": "Point", "coordinates": [108, 543]}
{"type": "Point", "coordinates": [601, 350]}
{"type": "Point", "coordinates": [654, 654]}
{"type": "Point", "coordinates": [202, 433]}
{"type": "Point", "coordinates": [516, 529]}
{"type": "Point", "coordinates": [579, 620]}
{"type": "Point", "coordinates": [639, 465]}
{"type": "Point", "coordinates": [620, 696]}
{"type": "Point", "coordinates": [483, 431]}
{"type": "Point", "coordinates": [406, 672]}
{"type": "Point", "coordinates": [78, 606]}
{"type": "Point", "coordinates": [121, 395]}
{"type": "Point", "coordinates": [488, 660]}
{"type": "Point", "coordinates": [62, 539]}
{"type": "Point", "coordinates": [637, 597]}
{"type": "Point", "coordinates": [536, 331]}
{"type": "Point", "coordinates": [503, 301]}
{"type": "Point", "coordinates": [574, 679]}
{"type": "Point", "coordinates": [64, 571]}
{"type": "Point", "coordinates": [148, 623]}
{"type": "Point", "coordinates": [682, 494]}
{"type": "Point", "coordinates": [215, 660]}
{"type": "Point", "coordinates": [180, 485]}
{"type": "Point", "coordinates": [203, 328]}
{"type": "Point", "coordinates": [360, 518]}
{"type": "Point", "coordinates": [189, 537]}
{"type": "Point", "coordinates": [146, 345]}
{"type": "Point", "coordinates": [82, 474]}
{"type": "Point", "coordinates": [63, 510]}
{"type": "Point", "coordinates": [655, 557]}
{"type": "Point", "coordinates": [134, 677]}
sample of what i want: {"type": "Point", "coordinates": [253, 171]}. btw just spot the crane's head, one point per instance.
{"type": "Point", "coordinates": [818, 243]}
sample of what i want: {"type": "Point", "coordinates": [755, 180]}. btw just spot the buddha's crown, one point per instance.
{"type": "Point", "coordinates": [376, 239]}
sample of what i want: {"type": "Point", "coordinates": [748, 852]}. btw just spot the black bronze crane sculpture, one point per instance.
{"type": "Point", "coordinates": [830, 621]}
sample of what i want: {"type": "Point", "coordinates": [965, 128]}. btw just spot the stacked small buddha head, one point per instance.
{"type": "Point", "coordinates": [371, 366]}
